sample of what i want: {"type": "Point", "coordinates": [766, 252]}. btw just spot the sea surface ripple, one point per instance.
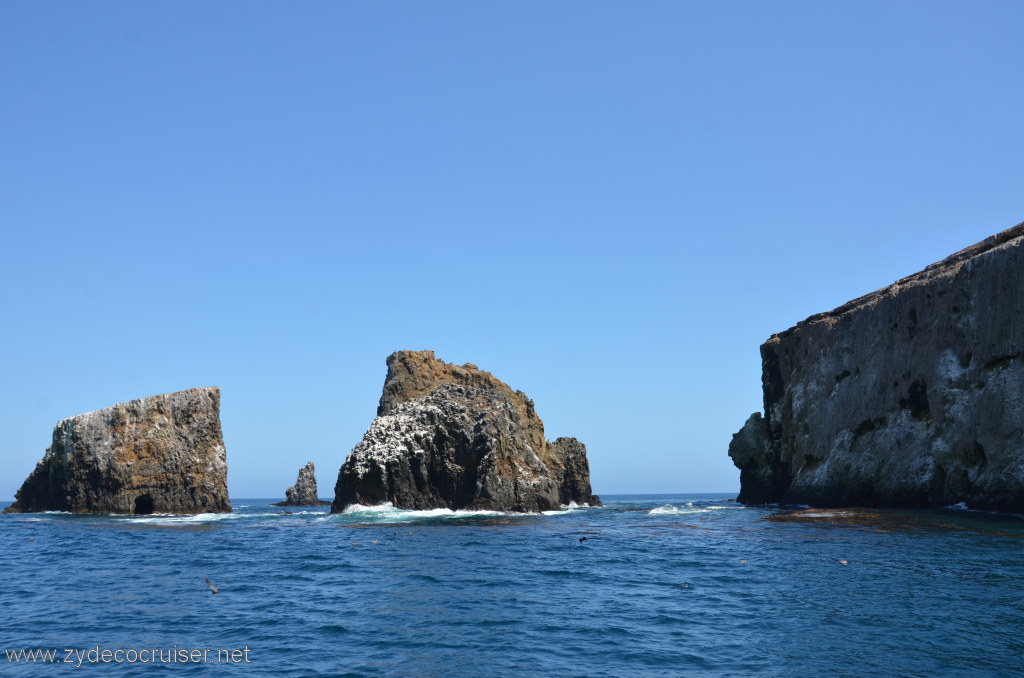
{"type": "Point", "coordinates": [667, 585]}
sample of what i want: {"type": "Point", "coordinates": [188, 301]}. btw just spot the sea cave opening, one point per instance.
{"type": "Point", "coordinates": [143, 504]}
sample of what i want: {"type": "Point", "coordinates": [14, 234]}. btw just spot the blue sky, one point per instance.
{"type": "Point", "coordinates": [609, 205]}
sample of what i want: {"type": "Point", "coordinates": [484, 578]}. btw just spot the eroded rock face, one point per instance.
{"type": "Point", "coordinates": [303, 492]}
{"type": "Point", "coordinates": [450, 436]}
{"type": "Point", "coordinates": [910, 396]}
{"type": "Point", "coordinates": [162, 454]}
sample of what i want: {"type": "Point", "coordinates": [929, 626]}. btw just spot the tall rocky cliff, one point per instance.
{"type": "Point", "coordinates": [912, 395]}
{"type": "Point", "coordinates": [450, 436]}
{"type": "Point", "coordinates": [162, 454]}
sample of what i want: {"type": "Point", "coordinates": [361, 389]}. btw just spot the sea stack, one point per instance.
{"type": "Point", "coordinates": [456, 437]}
{"type": "Point", "coordinates": [303, 492]}
{"type": "Point", "coordinates": [162, 454]}
{"type": "Point", "coordinates": [911, 396]}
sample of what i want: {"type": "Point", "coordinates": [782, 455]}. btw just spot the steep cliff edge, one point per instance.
{"type": "Point", "coordinates": [451, 436]}
{"type": "Point", "coordinates": [162, 454]}
{"type": "Point", "coordinates": [303, 492]}
{"type": "Point", "coordinates": [912, 395]}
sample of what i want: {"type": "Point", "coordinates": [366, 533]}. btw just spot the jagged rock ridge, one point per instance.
{"type": "Point", "coordinates": [912, 395]}
{"type": "Point", "coordinates": [303, 492]}
{"type": "Point", "coordinates": [450, 436]}
{"type": "Point", "coordinates": [162, 454]}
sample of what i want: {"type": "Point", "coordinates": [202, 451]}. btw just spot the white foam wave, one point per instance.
{"type": "Point", "coordinates": [388, 512]}
{"type": "Point", "coordinates": [171, 519]}
{"type": "Point", "coordinates": [685, 509]}
{"type": "Point", "coordinates": [362, 508]}
{"type": "Point", "coordinates": [567, 508]}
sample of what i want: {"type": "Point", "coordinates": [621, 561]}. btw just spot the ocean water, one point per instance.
{"type": "Point", "coordinates": [671, 585]}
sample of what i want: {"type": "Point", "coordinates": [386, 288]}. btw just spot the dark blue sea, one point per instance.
{"type": "Point", "coordinates": [671, 585]}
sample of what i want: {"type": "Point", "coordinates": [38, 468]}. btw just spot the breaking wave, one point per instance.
{"type": "Point", "coordinates": [171, 519]}
{"type": "Point", "coordinates": [687, 508]}
{"type": "Point", "coordinates": [671, 509]}
{"type": "Point", "coordinates": [387, 512]}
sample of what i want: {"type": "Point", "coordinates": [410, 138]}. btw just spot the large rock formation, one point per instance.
{"type": "Point", "coordinates": [303, 492]}
{"type": "Point", "coordinates": [162, 454]}
{"type": "Point", "coordinates": [450, 436]}
{"type": "Point", "coordinates": [910, 396]}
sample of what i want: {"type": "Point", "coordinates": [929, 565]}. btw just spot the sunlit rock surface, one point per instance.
{"type": "Point", "coordinates": [303, 492]}
{"type": "Point", "coordinates": [451, 436]}
{"type": "Point", "coordinates": [162, 454]}
{"type": "Point", "coordinates": [912, 395]}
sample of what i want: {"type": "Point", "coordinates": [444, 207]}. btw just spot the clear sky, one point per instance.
{"type": "Point", "coordinates": [609, 205]}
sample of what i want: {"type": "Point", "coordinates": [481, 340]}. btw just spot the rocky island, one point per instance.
{"type": "Point", "coordinates": [456, 437]}
{"type": "Point", "coordinates": [911, 396]}
{"type": "Point", "coordinates": [162, 454]}
{"type": "Point", "coordinates": [303, 492]}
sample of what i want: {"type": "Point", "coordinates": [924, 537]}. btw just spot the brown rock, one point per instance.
{"type": "Point", "coordinates": [162, 454]}
{"type": "Point", "coordinates": [414, 374]}
{"type": "Point", "coordinates": [450, 436]}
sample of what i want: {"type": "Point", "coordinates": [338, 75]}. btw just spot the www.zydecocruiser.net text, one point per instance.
{"type": "Point", "coordinates": [148, 655]}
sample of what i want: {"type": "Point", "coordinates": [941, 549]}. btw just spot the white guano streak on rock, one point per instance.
{"type": "Point", "coordinates": [374, 448]}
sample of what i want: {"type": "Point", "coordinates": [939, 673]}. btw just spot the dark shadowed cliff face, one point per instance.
{"type": "Point", "coordinates": [910, 396]}
{"type": "Point", "coordinates": [162, 454]}
{"type": "Point", "coordinates": [450, 436]}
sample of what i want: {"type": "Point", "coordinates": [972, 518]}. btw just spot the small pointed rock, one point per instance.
{"type": "Point", "coordinates": [303, 492]}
